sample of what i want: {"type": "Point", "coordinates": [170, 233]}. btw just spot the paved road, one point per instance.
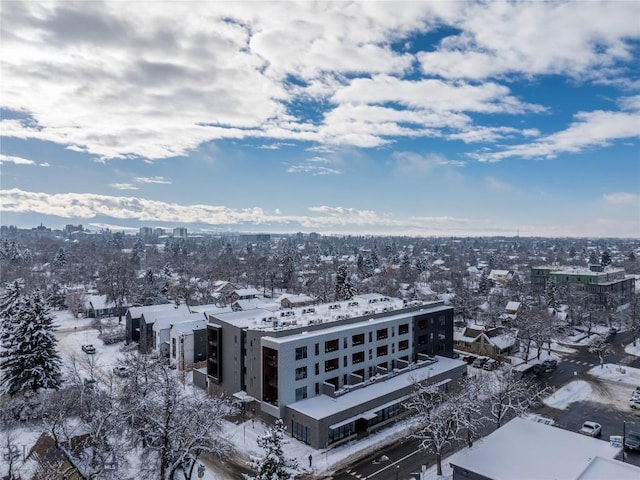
{"type": "Point", "coordinates": [383, 465]}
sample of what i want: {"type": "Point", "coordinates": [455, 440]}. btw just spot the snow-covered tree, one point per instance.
{"type": "Point", "coordinates": [600, 347]}
{"type": "Point", "coordinates": [509, 394]}
{"type": "Point", "coordinates": [484, 285]}
{"type": "Point", "coordinates": [344, 289]}
{"type": "Point", "coordinates": [605, 258]}
{"type": "Point", "coordinates": [29, 360]}
{"type": "Point", "coordinates": [171, 425]}
{"type": "Point", "coordinates": [441, 420]}
{"type": "Point", "coordinates": [274, 465]}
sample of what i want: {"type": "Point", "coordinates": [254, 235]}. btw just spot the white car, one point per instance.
{"type": "Point", "coordinates": [635, 403]}
{"type": "Point", "coordinates": [591, 429]}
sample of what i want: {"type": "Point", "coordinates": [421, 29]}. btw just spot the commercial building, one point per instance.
{"type": "Point", "coordinates": [333, 371]}
{"type": "Point", "coordinates": [604, 283]}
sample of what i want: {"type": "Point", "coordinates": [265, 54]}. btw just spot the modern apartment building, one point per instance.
{"type": "Point", "coordinates": [603, 283]}
{"type": "Point", "coordinates": [332, 371]}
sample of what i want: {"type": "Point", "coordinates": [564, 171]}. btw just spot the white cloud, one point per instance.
{"type": "Point", "coordinates": [313, 170]}
{"type": "Point", "coordinates": [157, 80]}
{"type": "Point", "coordinates": [45, 164]}
{"type": "Point", "coordinates": [123, 186]}
{"type": "Point", "coordinates": [622, 198]}
{"type": "Point", "coordinates": [160, 180]}
{"type": "Point", "coordinates": [15, 160]}
{"type": "Point", "coordinates": [409, 163]}
{"type": "Point", "coordinates": [589, 129]}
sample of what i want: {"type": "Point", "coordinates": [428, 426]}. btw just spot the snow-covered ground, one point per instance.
{"type": "Point", "coordinates": [576, 391]}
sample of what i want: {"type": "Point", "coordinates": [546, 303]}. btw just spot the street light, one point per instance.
{"type": "Point", "coordinates": [397, 471]}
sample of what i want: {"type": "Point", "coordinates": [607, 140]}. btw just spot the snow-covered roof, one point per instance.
{"type": "Point", "coordinates": [97, 302]}
{"type": "Point", "coordinates": [165, 322]}
{"type": "Point", "coordinates": [512, 306]}
{"type": "Point", "coordinates": [296, 298]}
{"type": "Point", "coordinates": [366, 306]}
{"type": "Point", "coordinates": [251, 303]}
{"type": "Point", "coordinates": [243, 292]}
{"type": "Point", "coordinates": [188, 326]}
{"type": "Point", "coordinates": [526, 449]}
{"type": "Point", "coordinates": [601, 468]}
{"type": "Point", "coordinates": [137, 312]}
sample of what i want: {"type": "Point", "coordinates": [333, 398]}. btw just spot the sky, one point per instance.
{"type": "Point", "coordinates": [425, 118]}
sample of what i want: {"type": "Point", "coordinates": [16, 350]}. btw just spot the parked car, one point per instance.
{"type": "Point", "coordinates": [120, 371]}
{"type": "Point", "coordinates": [635, 403]}
{"type": "Point", "coordinates": [469, 359]}
{"type": "Point", "coordinates": [550, 365]}
{"type": "Point", "coordinates": [88, 349]}
{"type": "Point", "coordinates": [591, 429]}
{"type": "Point", "coordinates": [538, 369]}
{"type": "Point", "coordinates": [479, 362]}
{"type": "Point", "coordinates": [490, 365]}
{"type": "Point", "coordinates": [632, 441]}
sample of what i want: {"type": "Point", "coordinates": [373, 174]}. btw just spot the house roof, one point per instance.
{"type": "Point", "coordinates": [531, 451]}
{"type": "Point", "coordinates": [512, 306]}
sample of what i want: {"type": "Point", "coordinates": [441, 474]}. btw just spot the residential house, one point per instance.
{"type": "Point", "coordinates": [496, 341]}
{"type": "Point", "coordinates": [292, 301]}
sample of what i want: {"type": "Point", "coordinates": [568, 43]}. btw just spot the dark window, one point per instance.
{"type": "Point", "coordinates": [317, 349]}
{"type": "Point", "coordinates": [404, 328]}
{"type": "Point", "coordinates": [382, 351]}
{"type": "Point", "coordinates": [370, 354]}
{"type": "Point", "coordinates": [331, 364]}
{"type": "Point", "coordinates": [422, 339]}
{"type": "Point", "coordinates": [382, 334]}
{"type": "Point", "coordinates": [317, 369]}
{"type": "Point", "coordinates": [370, 336]}
{"type": "Point", "coordinates": [301, 393]}
{"type": "Point", "coordinates": [357, 357]}
{"type": "Point", "coordinates": [301, 373]}
{"type": "Point", "coordinates": [357, 339]}
{"type": "Point", "coordinates": [403, 344]}
{"type": "Point", "coordinates": [317, 388]}
{"type": "Point", "coordinates": [301, 352]}
{"type": "Point", "coordinates": [331, 345]}
{"type": "Point", "coordinates": [344, 362]}
{"type": "Point", "coordinates": [423, 325]}
{"type": "Point", "coordinates": [344, 342]}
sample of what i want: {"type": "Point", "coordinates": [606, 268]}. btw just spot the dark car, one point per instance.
{"type": "Point", "coordinates": [538, 369]}
{"type": "Point", "coordinates": [469, 359]}
{"type": "Point", "coordinates": [479, 362]}
{"type": "Point", "coordinates": [89, 349]}
{"type": "Point", "coordinates": [632, 441]}
{"type": "Point", "coordinates": [550, 365]}
{"type": "Point", "coordinates": [120, 371]}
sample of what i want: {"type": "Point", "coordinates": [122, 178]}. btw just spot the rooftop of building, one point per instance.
{"type": "Point", "coordinates": [535, 450]}
{"type": "Point", "coordinates": [359, 306]}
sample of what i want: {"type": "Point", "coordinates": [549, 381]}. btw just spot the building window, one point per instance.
{"type": "Point", "coordinates": [173, 347]}
{"type": "Point", "coordinates": [301, 393]}
{"type": "Point", "coordinates": [317, 369]}
{"type": "Point", "coordinates": [317, 349]}
{"type": "Point", "coordinates": [300, 432]}
{"type": "Point", "coordinates": [331, 364]}
{"type": "Point", "coordinates": [403, 344]}
{"type": "Point", "coordinates": [357, 339]}
{"type": "Point", "coordinates": [370, 354]}
{"type": "Point", "coordinates": [344, 342]}
{"type": "Point", "coordinates": [423, 324]}
{"type": "Point", "coordinates": [301, 373]}
{"type": "Point", "coordinates": [403, 329]}
{"type": "Point", "coordinates": [382, 334]}
{"type": "Point", "coordinates": [422, 340]}
{"type": "Point", "coordinates": [317, 388]}
{"type": "Point", "coordinates": [344, 362]}
{"type": "Point", "coordinates": [301, 353]}
{"type": "Point", "coordinates": [442, 320]}
{"type": "Point", "coordinates": [357, 357]}
{"type": "Point", "coordinates": [382, 350]}
{"type": "Point", "coordinates": [331, 346]}
{"type": "Point", "coordinates": [370, 337]}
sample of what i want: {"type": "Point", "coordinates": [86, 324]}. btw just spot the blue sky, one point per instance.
{"type": "Point", "coordinates": [418, 118]}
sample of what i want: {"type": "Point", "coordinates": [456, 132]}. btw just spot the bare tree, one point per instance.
{"type": "Point", "coordinates": [172, 425]}
{"type": "Point", "coordinates": [117, 280]}
{"type": "Point", "coordinates": [510, 395]}
{"type": "Point", "coordinates": [601, 347]}
{"type": "Point", "coordinates": [441, 419]}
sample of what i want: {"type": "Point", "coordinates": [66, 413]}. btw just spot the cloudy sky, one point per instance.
{"type": "Point", "coordinates": [418, 118]}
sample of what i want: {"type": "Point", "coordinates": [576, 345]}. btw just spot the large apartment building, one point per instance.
{"type": "Point", "coordinates": [603, 283]}
{"type": "Point", "coordinates": [332, 371]}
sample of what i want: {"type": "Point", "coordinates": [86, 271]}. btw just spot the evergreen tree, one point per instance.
{"type": "Point", "coordinates": [9, 308]}
{"type": "Point", "coordinates": [274, 465]}
{"type": "Point", "coordinates": [31, 362]}
{"type": "Point", "coordinates": [344, 289]}
{"type": "Point", "coordinates": [605, 260]}
{"type": "Point", "coordinates": [593, 257]}
{"type": "Point", "coordinates": [484, 286]}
